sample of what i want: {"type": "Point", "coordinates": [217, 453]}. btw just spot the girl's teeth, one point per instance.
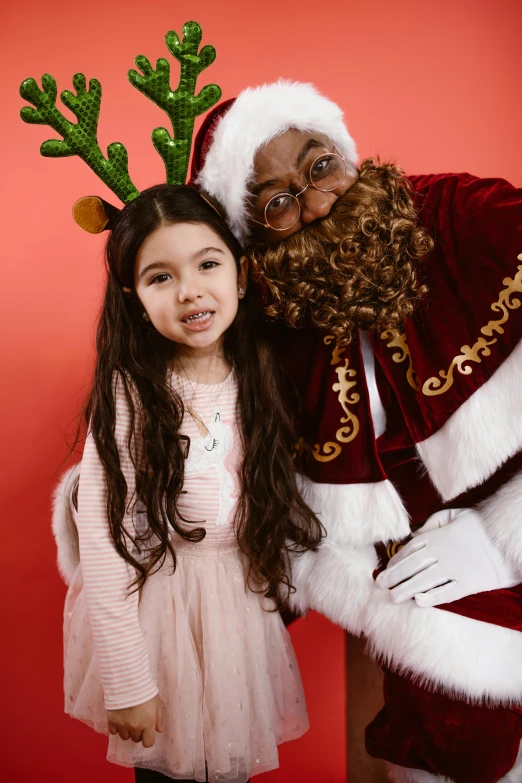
{"type": "Point", "coordinates": [198, 316]}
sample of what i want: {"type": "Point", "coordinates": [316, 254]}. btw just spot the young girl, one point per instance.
{"type": "Point", "coordinates": [187, 511]}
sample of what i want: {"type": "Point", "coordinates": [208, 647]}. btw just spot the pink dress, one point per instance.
{"type": "Point", "coordinates": [224, 666]}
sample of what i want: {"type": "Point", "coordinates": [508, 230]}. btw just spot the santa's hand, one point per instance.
{"type": "Point", "coordinates": [445, 563]}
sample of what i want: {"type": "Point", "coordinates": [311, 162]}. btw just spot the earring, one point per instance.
{"type": "Point", "coordinates": [241, 292]}
{"type": "Point", "coordinates": [145, 316]}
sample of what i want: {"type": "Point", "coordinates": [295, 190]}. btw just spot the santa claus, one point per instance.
{"type": "Point", "coordinates": [396, 308]}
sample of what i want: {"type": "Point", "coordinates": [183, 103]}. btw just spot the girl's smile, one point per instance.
{"type": "Point", "coordinates": [199, 320]}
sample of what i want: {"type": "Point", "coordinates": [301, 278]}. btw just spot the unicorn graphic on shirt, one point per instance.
{"type": "Point", "coordinates": [212, 451]}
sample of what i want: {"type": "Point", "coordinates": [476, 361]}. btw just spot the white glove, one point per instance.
{"type": "Point", "coordinates": [450, 557]}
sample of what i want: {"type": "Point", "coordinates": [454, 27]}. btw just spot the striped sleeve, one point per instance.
{"type": "Point", "coordinates": [118, 640]}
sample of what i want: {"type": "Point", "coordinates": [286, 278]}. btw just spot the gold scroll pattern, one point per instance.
{"type": "Point", "coordinates": [440, 384]}
{"type": "Point", "coordinates": [506, 301]}
{"type": "Point", "coordinates": [398, 340]}
{"type": "Point", "coordinates": [343, 386]}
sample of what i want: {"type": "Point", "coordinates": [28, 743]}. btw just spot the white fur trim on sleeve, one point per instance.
{"type": "Point", "coordinates": [502, 517]}
{"type": "Point", "coordinates": [398, 774]}
{"type": "Point", "coordinates": [357, 514]}
{"type": "Point", "coordinates": [466, 658]}
{"type": "Point", "coordinates": [257, 116]}
{"type": "Point", "coordinates": [64, 527]}
{"type": "Point", "coordinates": [481, 435]}
{"type": "Point", "coordinates": [335, 581]}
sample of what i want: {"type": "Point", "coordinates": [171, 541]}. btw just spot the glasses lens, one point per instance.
{"type": "Point", "coordinates": [327, 172]}
{"type": "Point", "coordinates": [282, 211]}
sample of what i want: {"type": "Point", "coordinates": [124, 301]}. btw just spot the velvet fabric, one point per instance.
{"type": "Point", "coordinates": [477, 227]}
{"type": "Point", "coordinates": [469, 310]}
{"type": "Point", "coordinates": [429, 731]}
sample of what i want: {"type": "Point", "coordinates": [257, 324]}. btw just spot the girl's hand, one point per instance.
{"type": "Point", "coordinates": [139, 723]}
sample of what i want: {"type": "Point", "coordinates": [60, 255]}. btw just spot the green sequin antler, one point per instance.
{"type": "Point", "coordinates": [182, 105]}
{"type": "Point", "coordinates": [80, 138]}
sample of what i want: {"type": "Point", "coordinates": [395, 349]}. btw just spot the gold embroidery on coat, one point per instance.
{"type": "Point", "coordinates": [398, 340]}
{"type": "Point", "coordinates": [330, 450]}
{"type": "Point", "coordinates": [504, 303]}
{"type": "Point", "coordinates": [337, 351]}
{"type": "Point", "coordinates": [347, 433]}
{"type": "Point", "coordinates": [434, 385]}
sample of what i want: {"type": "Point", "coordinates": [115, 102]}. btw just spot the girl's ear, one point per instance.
{"type": "Point", "coordinates": [242, 279]}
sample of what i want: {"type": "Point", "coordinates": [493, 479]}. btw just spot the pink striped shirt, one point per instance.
{"type": "Point", "coordinates": [211, 492]}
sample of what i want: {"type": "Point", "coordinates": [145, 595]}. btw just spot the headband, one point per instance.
{"type": "Point", "coordinates": [181, 105]}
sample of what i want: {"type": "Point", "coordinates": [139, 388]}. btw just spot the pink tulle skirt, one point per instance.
{"type": "Point", "coordinates": [225, 669]}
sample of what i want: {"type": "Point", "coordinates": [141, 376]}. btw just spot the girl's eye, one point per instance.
{"type": "Point", "coordinates": [209, 264]}
{"type": "Point", "coordinates": [160, 278]}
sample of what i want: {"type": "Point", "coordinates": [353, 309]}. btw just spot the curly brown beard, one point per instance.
{"type": "Point", "coordinates": [356, 268]}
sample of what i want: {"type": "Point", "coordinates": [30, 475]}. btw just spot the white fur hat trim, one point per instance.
{"type": "Point", "coordinates": [257, 116]}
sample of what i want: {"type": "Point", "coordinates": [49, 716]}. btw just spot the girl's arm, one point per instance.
{"type": "Point", "coordinates": [120, 647]}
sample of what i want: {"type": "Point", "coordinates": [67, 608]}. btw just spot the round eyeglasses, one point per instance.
{"type": "Point", "coordinates": [283, 210]}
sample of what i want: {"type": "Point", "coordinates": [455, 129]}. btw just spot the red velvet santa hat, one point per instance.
{"type": "Point", "coordinates": [233, 132]}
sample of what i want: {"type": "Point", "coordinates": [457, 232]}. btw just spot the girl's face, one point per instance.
{"type": "Point", "coordinates": [187, 280]}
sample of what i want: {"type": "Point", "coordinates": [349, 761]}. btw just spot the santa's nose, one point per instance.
{"type": "Point", "coordinates": [316, 205]}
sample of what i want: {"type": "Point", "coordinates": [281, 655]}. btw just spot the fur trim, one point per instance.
{"type": "Point", "coordinates": [481, 435]}
{"type": "Point", "coordinates": [64, 527]}
{"type": "Point", "coordinates": [502, 517]}
{"type": "Point", "coordinates": [403, 775]}
{"type": "Point", "coordinates": [398, 774]}
{"type": "Point", "coordinates": [255, 118]}
{"type": "Point", "coordinates": [335, 581]}
{"type": "Point", "coordinates": [468, 659]}
{"type": "Point", "coordinates": [357, 514]}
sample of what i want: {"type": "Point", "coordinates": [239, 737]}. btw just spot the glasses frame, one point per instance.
{"type": "Point", "coordinates": [295, 196]}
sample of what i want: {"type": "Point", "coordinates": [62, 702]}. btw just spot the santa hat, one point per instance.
{"type": "Point", "coordinates": [233, 132]}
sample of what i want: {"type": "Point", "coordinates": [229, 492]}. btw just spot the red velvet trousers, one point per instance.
{"type": "Point", "coordinates": [468, 743]}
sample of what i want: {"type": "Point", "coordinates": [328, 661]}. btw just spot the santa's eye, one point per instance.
{"type": "Point", "coordinates": [323, 167]}
{"type": "Point", "coordinates": [279, 204]}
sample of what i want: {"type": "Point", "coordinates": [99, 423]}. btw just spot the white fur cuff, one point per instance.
{"type": "Point", "coordinates": [481, 435]}
{"type": "Point", "coordinates": [335, 581]}
{"type": "Point", "coordinates": [465, 658]}
{"type": "Point", "coordinates": [403, 775]}
{"type": "Point", "coordinates": [64, 526]}
{"type": "Point", "coordinates": [502, 518]}
{"type": "Point", "coordinates": [357, 514]}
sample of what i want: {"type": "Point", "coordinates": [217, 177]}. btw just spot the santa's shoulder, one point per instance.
{"type": "Point", "coordinates": [467, 202]}
{"type": "Point", "coordinates": [476, 224]}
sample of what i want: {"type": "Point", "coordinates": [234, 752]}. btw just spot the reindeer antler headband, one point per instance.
{"type": "Point", "coordinates": [182, 106]}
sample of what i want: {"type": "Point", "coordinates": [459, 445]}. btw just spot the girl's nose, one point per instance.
{"type": "Point", "coordinates": [189, 291]}
{"type": "Point", "coordinates": [316, 205]}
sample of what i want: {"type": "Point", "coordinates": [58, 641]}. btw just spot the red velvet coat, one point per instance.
{"type": "Point", "coordinates": [451, 385]}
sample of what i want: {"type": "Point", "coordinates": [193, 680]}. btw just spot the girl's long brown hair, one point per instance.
{"type": "Point", "coordinates": [271, 517]}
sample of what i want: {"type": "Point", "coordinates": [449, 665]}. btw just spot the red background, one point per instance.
{"type": "Point", "coordinates": [433, 84]}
